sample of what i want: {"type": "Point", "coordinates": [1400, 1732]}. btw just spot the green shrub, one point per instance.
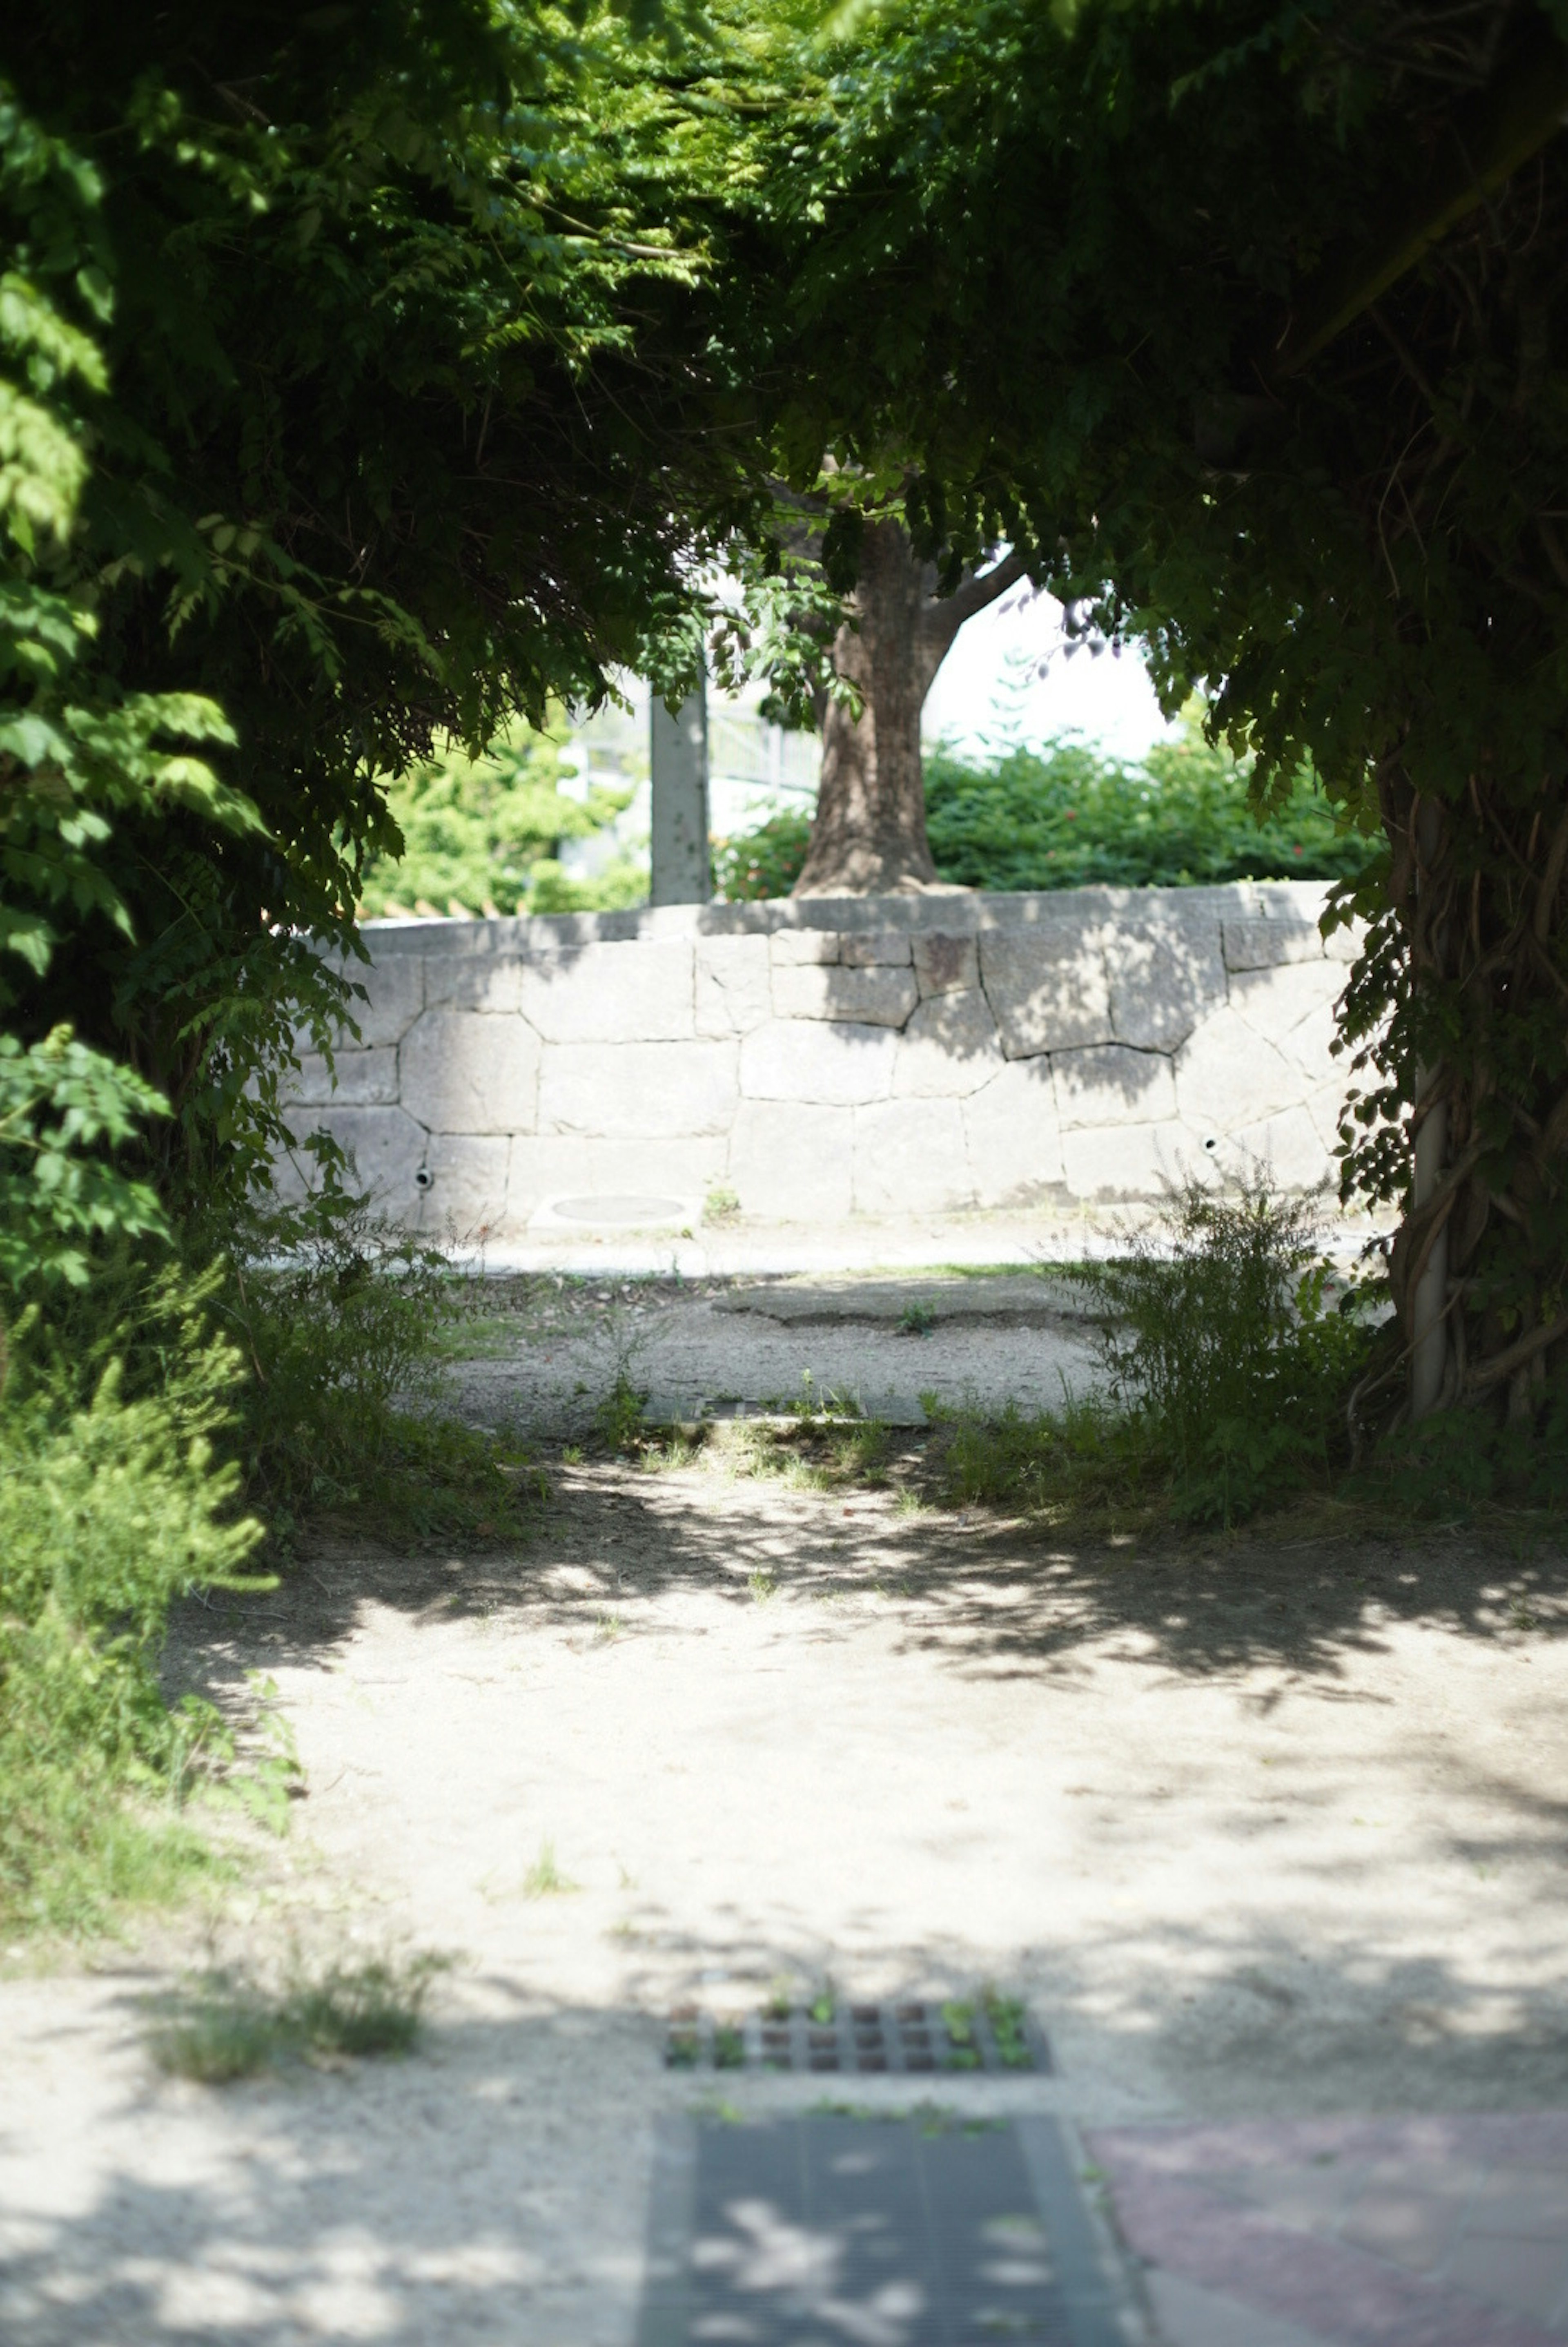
{"type": "Point", "coordinates": [342, 1321]}
{"type": "Point", "coordinates": [483, 835]}
{"type": "Point", "coordinates": [1218, 1336]}
{"type": "Point", "coordinates": [112, 1503]}
{"type": "Point", "coordinates": [1069, 818]}
{"type": "Point", "coordinates": [1227, 1362]}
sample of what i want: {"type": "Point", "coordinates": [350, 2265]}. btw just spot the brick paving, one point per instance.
{"type": "Point", "coordinates": [1414, 2232]}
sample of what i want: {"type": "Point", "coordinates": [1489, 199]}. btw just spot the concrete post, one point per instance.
{"type": "Point", "coordinates": [677, 747]}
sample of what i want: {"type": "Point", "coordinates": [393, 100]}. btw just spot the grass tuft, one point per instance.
{"type": "Point", "coordinates": [226, 2026]}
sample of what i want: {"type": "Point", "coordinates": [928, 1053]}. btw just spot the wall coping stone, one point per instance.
{"type": "Point", "coordinates": [962, 914]}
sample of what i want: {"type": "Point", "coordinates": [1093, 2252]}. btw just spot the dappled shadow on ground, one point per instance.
{"type": "Point", "coordinates": [493, 2186]}
{"type": "Point", "coordinates": [1004, 1597]}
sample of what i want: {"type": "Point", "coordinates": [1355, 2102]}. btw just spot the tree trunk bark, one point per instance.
{"type": "Point", "coordinates": [869, 838]}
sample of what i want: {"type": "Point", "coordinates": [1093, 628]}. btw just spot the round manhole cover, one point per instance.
{"type": "Point", "coordinates": [614, 1209]}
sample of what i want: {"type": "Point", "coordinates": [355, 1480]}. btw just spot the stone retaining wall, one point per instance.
{"type": "Point", "coordinates": [880, 1056]}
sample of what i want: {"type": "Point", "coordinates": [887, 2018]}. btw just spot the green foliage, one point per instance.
{"type": "Point", "coordinates": [342, 1323]}
{"type": "Point", "coordinates": [1181, 816]}
{"type": "Point", "coordinates": [1053, 278]}
{"type": "Point", "coordinates": [61, 1106]}
{"type": "Point", "coordinates": [1070, 817]}
{"type": "Point", "coordinates": [1227, 1363]}
{"type": "Point", "coordinates": [1217, 1331]}
{"type": "Point", "coordinates": [112, 1504]}
{"type": "Point", "coordinates": [227, 2025]}
{"type": "Point", "coordinates": [485, 834]}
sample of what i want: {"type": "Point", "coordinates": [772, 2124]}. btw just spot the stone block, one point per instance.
{"type": "Point", "coordinates": [394, 989]}
{"type": "Point", "coordinates": [950, 1047]}
{"type": "Point", "coordinates": [1326, 1106]}
{"type": "Point", "coordinates": [1047, 984]}
{"type": "Point", "coordinates": [1287, 1149]}
{"type": "Point", "coordinates": [1275, 999]}
{"type": "Point", "coordinates": [797, 948]}
{"type": "Point", "coordinates": [793, 1162]}
{"type": "Point", "coordinates": [461, 1072]}
{"type": "Point", "coordinates": [1013, 1137]}
{"type": "Point", "coordinates": [1252, 943]}
{"type": "Point", "coordinates": [638, 1090]}
{"type": "Point", "coordinates": [876, 997]}
{"type": "Point", "coordinates": [832, 1064]}
{"type": "Point", "coordinates": [363, 1079]}
{"type": "Point", "coordinates": [633, 993]}
{"type": "Point", "coordinates": [465, 1202]}
{"type": "Point", "coordinates": [945, 964]}
{"type": "Point", "coordinates": [1131, 1161]}
{"type": "Point", "coordinates": [733, 991]}
{"type": "Point", "coordinates": [551, 1166]}
{"type": "Point", "coordinates": [387, 1148]}
{"type": "Point", "coordinates": [886, 950]}
{"type": "Point", "coordinates": [1164, 978]}
{"type": "Point", "coordinates": [1346, 943]}
{"type": "Point", "coordinates": [1109, 1084]}
{"type": "Point", "coordinates": [490, 982]}
{"type": "Point", "coordinates": [1229, 1076]}
{"type": "Point", "coordinates": [910, 1158]}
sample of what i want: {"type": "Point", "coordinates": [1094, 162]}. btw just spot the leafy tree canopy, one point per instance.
{"type": "Point", "coordinates": [1247, 323]}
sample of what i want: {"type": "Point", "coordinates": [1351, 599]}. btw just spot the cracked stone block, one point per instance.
{"type": "Point", "coordinates": [1047, 984]}
{"type": "Point", "coordinates": [460, 1071]}
{"type": "Point", "coordinates": [1012, 1135]}
{"type": "Point", "coordinates": [876, 997]}
{"type": "Point", "coordinates": [633, 993]}
{"type": "Point", "coordinates": [792, 1160]}
{"type": "Point", "coordinates": [1109, 1084]}
{"type": "Point", "coordinates": [833, 1065]}
{"type": "Point", "coordinates": [466, 1198]}
{"type": "Point", "coordinates": [944, 964]}
{"type": "Point", "coordinates": [364, 1079]}
{"type": "Point", "coordinates": [793, 949]}
{"type": "Point", "coordinates": [910, 1158]}
{"type": "Point", "coordinates": [387, 1147]}
{"type": "Point", "coordinates": [1228, 1075]}
{"type": "Point", "coordinates": [1132, 1161]}
{"type": "Point", "coordinates": [632, 1088]}
{"type": "Point", "coordinates": [1326, 1106]}
{"type": "Point", "coordinates": [733, 990]}
{"type": "Point", "coordinates": [1254, 944]}
{"type": "Point", "coordinates": [1276, 999]}
{"type": "Point", "coordinates": [1164, 978]}
{"type": "Point", "coordinates": [395, 988]}
{"type": "Point", "coordinates": [490, 982]}
{"type": "Point", "coordinates": [888, 950]}
{"type": "Point", "coordinates": [1288, 1148]}
{"type": "Point", "coordinates": [950, 1047]}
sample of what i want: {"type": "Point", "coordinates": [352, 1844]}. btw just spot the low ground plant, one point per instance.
{"type": "Point", "coordinates": [227, 2025]}
{"type": "Point", "coordinates": [1228, 1350]}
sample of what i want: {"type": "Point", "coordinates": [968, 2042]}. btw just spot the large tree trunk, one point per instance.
{"type": "Point", "coordinates": [869, 838]}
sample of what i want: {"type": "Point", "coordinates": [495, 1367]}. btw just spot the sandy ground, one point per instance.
{"type": "Point", "coordinates": [1257, 1825]}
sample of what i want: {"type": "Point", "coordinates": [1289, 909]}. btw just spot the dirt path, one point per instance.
{"type": "Point", "coordinates": [1257, 1828]}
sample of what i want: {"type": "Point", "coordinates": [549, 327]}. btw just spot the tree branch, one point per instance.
{"type": "Point", "coordinates": [941, 618]}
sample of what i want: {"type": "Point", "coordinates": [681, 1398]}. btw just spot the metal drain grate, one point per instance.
{"type": "Point", "coordinates": [989, 2033]}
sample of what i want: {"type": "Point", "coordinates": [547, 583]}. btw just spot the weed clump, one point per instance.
{"type": "Point", "coordinates": [1225, 1359]}
{"type": "Point", "coordinates": [227, 2027]}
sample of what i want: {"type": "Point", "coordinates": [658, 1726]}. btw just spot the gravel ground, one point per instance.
{"type": "Point", "coordinates": [553, 1349]}
{"type": "Point", "coordinates": [1261, 1826]}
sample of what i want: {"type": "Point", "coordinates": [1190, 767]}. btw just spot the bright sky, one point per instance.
{"type": "Point", "coordinates": [1011, 676]}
